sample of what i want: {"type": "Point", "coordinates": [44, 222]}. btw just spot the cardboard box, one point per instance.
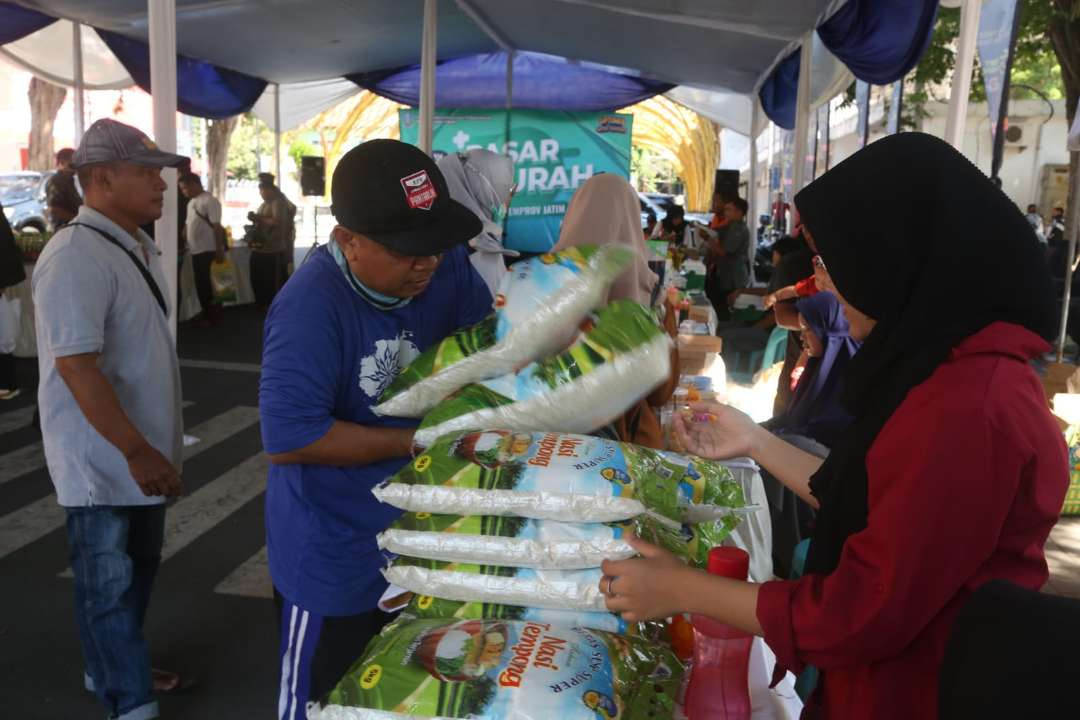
{"type": "Point", "coordinates": [700, 313]}
{"type": "Point", "coordinates": [1056, 379]}
{"type": "Point", "coordinates": [700, 344]}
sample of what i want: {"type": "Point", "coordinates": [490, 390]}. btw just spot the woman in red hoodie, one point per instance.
{"type": "Point", "coordinates": [952, 473]}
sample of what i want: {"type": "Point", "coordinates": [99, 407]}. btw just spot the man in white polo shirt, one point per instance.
{"type": "Point", "coordinates": [110, 405]}
{"type": "Point", "coordinates": [204, 242]}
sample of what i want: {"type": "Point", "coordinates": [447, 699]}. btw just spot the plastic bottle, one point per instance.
{"type": "Point", "coordinates": [719, 688]}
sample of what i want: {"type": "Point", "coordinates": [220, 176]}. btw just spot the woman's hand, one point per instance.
{"type": "Point", "coordinates": [647, 587]}
{"type": "Point", "coordinates": [727, 434]}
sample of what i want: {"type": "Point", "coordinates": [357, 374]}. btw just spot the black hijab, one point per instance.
{"type": "Point", "coordinates": [931, 279]}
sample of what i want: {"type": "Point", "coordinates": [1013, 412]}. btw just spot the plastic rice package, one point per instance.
{"type": "Point", "coordinates": [542, 544]}
{"type": "Point", "coordinates": [426, 606]}
{"type": "Point", "coordinates": [550, 589]}
{"type": "Point", "coordinates": [561, 476]}
{"type": "Point", "coordinates": [619, 357]}
{"type": "Point", "coordinates": [505, 670]}
{"type": "Point", "coordinates": [537, 308]}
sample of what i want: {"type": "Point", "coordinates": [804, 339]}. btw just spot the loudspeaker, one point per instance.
{"type": "Point", "coordinates": [312, 175]}
{"type": "Point", "coordinates": [727, 184]}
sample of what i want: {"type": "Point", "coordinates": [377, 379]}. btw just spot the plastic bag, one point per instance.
{"type": "Point", "coordinates": [621, 355]}
{"type": "Point", "coordinates": [539, 303]}
{"type": "Point", "coordinates": [550, 589]}
{"type": "Point", "coordinates": [505, 670]}
{"type": "Point", "coordinates": [559, 476]}
{"type": "Point", "coordinates": [542, 544]}
{"type": "Point", "coordinates": [223, 281]}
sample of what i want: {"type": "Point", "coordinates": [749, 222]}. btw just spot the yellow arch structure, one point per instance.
{"type": "Point", "coordinates": [689, 141]}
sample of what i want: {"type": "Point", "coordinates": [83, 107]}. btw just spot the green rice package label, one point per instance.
{"type": "Point", "coordinates": [561, 476]}
{"type": "Point", "coordinates": [542, 544]}
{"type": "Point", "coordinates": [505, 670]}
{"type": "Point", "coordinates": [538, 306]}
{"type": "Point", "coordinates": [620, 355]}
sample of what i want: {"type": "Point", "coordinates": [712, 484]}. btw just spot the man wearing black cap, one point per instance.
{"type": "Point", "coordinates": [110, 405]}
{"type": "Point", "coordinates": [394, 279]}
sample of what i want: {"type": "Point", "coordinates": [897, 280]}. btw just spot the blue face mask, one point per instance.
{"type": "Point", "coordinates": [372, 297]}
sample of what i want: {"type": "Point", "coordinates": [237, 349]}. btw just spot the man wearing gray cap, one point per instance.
{"type": "Point", "coordinates": [109, 398]}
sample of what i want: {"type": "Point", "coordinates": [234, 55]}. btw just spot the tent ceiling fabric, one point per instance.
{"type": "Point", "coordinates": [42, 53]}
{"type": "Point", "coordinates": [541, 82]}
{"type": "Point", "coordinates": [723, 44]}
{"type": "Point", "coordinates": [289, 40]}
{"type": "Point", "coordinates": [302, 101]}
{"type": "Point", "coordinates": [686, 42]}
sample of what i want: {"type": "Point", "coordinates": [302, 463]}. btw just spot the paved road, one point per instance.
{"type": "Point", "coordinates": [211, 613]}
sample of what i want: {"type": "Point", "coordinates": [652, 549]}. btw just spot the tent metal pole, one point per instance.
{"type": "Point", "coordinates": [751, 186]}
{"type": "Point", "coordinates": [1074, 232]}
{"type": "Point", "coordinates": [79, 95]}
{"type": "Point", "coordinates": [802, 113]}
{"type": "Point", "coordinates": [751, 192]}
{"type": "Point", "coordinates": [961, 81]}
{"type": "Point", "coordinates": [427, 75]}
{"type": "Point", "coordinates": [277, 133]}
{"type": "Point", "coordinates": [163, 81]}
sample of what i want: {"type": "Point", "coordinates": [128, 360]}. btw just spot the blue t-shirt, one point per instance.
{"type": "Point", "coordinates": [327, 355]}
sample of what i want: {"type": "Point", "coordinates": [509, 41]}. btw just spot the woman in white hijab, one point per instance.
{"type": "Point", "coordinates": [605, 210]}
{"type": "Point", "coordinates": [483, 181]}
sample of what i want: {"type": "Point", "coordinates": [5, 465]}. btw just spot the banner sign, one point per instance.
{"type": "Point", "coordinates": [995, 46]}
{"type": "Point", "coordinates": [554, 152]}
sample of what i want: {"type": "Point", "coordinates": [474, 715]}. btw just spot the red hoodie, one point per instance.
{"type": "Point", "coordinates": [966, 480]}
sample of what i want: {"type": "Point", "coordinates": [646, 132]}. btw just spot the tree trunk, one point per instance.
{"type": "Point", "coordinates": [1064, 32]}
{"type": "Point", "coordinates": [45, 102]}
{"type": "Point", "coordinates": [217, 154]}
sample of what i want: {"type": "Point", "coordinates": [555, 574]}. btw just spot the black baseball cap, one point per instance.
{"type": "Point", "coordinates": [393, 193]}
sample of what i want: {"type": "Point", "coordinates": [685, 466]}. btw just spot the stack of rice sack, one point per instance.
{"type": "Point", "coordinates": [508, 514]}
{"type": "Point", "coordinates": [547, 359]}
{"type": "Point", "coordinates": [501, 543]}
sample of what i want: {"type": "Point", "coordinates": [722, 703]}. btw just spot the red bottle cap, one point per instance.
{"type": "Point", "coordinates": [729, 562]}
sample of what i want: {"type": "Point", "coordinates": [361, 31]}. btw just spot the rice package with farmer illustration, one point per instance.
{"type": "Point", "coordinates": [507, 669]}
{"type": "Point", "coordinates": [620, 356]}
{"type": "Point", "coordinates": [543, 544]}
{"type": "Point", "coordinates": [538, 307]}
{"type": "Point", "coordinates": [562, 476]}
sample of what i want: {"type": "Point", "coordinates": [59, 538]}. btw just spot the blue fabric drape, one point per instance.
{"type": "Point", "coordinates": [780, 91]}
{"type": "Point", "coordinates": [880, 41]}
{"type": "Point", "coordinates": [17, 22]}
{"type": "Point", "coordinates": [541, 82]}
{"type": "Point", "coordinates": [202, 89]}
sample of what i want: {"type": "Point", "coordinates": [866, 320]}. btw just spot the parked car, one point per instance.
{"type": "Point", "coordinates": [659, 204]}
{"type": "Point", "coordinates": [23, 196]}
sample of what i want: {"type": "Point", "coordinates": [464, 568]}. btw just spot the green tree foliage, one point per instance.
{"type": "Point", "coordinates": [251, 139]}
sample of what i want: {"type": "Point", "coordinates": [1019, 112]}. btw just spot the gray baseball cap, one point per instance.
{"type": "Point", "coordinates": [110, 141]}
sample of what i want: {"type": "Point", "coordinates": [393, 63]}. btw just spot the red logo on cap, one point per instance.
{"type": "Point", "coordinates": [419, 190]}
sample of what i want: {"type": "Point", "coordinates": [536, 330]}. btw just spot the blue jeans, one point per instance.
{"type": "Point", "coordinates": [114, 554]}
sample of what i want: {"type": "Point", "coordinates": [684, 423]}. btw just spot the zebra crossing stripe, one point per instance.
{"type": "Point", "coordinates": [28, 458]}
{"type": "Point", "coordinates": [250, 579]}
{"type": "Point", "coordinates": [197, 513]}
{"type": "Point", "coordinates": [32, 522]}
{"type": "Point", "coordinates": [19, 462]}
{"type": "Point", "coordinates": [200, 511]}
{"type": "Point", "coordinates": [16, 419]}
